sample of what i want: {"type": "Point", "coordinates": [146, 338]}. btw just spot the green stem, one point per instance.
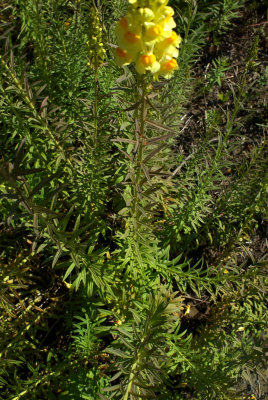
{"type": "Point", "coordinates": [95, 108]}
{"type": "Point", "coordinates": [40, 45]}
{"type": "Point", "coordinates": [237, 101]}
{"type": "Point", "coordinates": [135, 364]}
{"type": "Point", "coordinates": [131, 377]}
{"type": "Point", "coordinates": [141, 139]}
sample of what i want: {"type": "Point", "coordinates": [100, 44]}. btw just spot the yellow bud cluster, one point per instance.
{"type": "Point", "coordinates": [146, 37]}
{"type": "Point", "coordinates": [96, 50]}
{"type": "Point", "coordinates": [68, 23]}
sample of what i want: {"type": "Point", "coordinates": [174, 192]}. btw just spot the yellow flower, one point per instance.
{"type": "Point", "coordinates": [173, 39]}
{"type": "Point", "coordinates": [68, 22]}
{"type": "Point", "coordinates": [187, 310]}
{"type": "Point", "coordinates": [153, 31]}
{"type": "Point", "coordinates": [164, 49]}
{"type": "Point", "coordinates": [144, 14]}
{"type": "Point", "coordinates": [122, 57]}
{"type": "Point", "coordinates": [240, 329]}
{"type": "Point", "coordinates": [167, 67]}
{"type": "Point", "coordinates": [123, 23]}
{"type": "Point", "coordinates": [147, 62]}
{"type": "Point", "coordinates": [128, 37]}
{"type": "Point", "coordinates": [131, 37]}
{"type": "Point", "coordinates": [145, 37]}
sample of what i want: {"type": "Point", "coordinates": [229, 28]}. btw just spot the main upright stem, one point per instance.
{"type": "Point", "coordinates": [141, 143]}
{"type": "Point", "coordinates": [95, 109]}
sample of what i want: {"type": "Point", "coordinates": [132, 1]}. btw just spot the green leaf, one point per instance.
{"type": "Point", "coordinates": [160, 126]}
{"type": "Point", "coordinates": [118, 352]}
{"type": "Point", "coordinates": [69, 270]}
{"type": "Point", "coordinates": [56, 258]}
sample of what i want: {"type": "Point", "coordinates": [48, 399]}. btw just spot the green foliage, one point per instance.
{"type": "Point", "coordinates": [85, 336]}
{"type": "Point", "coordinates": [141, 347]}
{"type": "Point", "coordinates": [83, 384]}
{"type": "Point", "coordinates": [223, 13]}
{"type": "Point", "coordinates": [230, 345]}
{"type": "Point", "coordinates": [128, 223]}
{"type": "Point", "coordinates": [215, 76]}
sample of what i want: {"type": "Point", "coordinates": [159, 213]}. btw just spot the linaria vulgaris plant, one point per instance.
{"type": "Point", "coordinates": [128, 222]}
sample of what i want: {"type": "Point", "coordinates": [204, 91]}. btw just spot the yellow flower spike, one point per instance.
{"type": "Point", "coordinates": [96, 51]}
{"type": "Point", "coordinates": [145, 37]}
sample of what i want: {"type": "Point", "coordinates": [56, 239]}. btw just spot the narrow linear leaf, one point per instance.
{"type": "Point", "coordinates": [40, 90]}
{"type": "Point", "coordinates": [126, 343]}
{"type": "Point", "coordinates": [126, 155]}
{"type": "Point", "coordinates": [101, 397]}
{"type": "Point", "coordinates": [124, 140]}
{"type": "Point", "coordinates": [113, 378]}
{"type": "Point", "coordinates": [133, 106]}
{"type": "Point", "coordinates": [118, 352]}
{"type": "Point", "coordinates": [111, 388]}
{"type": "Point", "coordinates": [56, 258]}
{"type": "Point", "coordinates": [146, 173]}
{"type": "Point", "coordinates": [154, 152]}
{"type": "Point", "coordinates": [141, 396]}
{"type": "Point", "coordinates": [8, 196]}
{"type": "Point", "coordinates": [69, 270]}
{"type": "Point", "coordinates": [19, 153]}
{"type": "Point", "coordinates": [23, 172]}
{"type": "Point", "coordinates": [35, 224]}
{"type": "Point", "coordinates": [158, 125]}
{"type": "Point", "coordinates": [159, 138]}
{"type": "Point", "coordinates": [44, 103]}
{"type": "Point", "coordinates": [42, 184]}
